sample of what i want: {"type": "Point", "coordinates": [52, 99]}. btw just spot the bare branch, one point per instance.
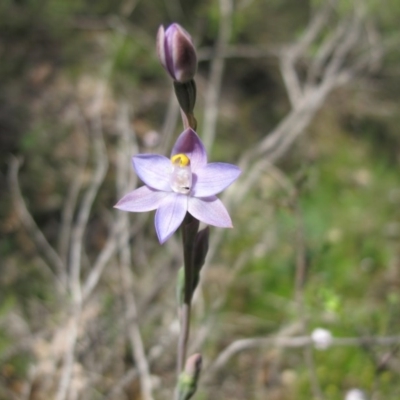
{"type": "Point", "coordinates": [216, 73]}
{"type": "Point", "coordinates": [131, 374]}
{"type": "Point", "coordinates": [87, 201]}
{"type": "Point", "coordinates": [101, 262]}
{"type": "Point", "coordinates": [71, 200]}
{"type": "Point", "coordinates": [107, 253]}
{"type": "Point", "coordinates": [77, 238]}
{"type": "Point", "coordinates": [292, 342]}
{"type": "Point", "coordinates": [375, 46]}
{"type": "Point", "coordinates": [80, 227]}
{"type": "Point", "coordinates": [324, 52]}
{"type": "Point", "coordinates": [71, 333]}
{"type": "Point", "coordinates": [54, 261]}
{"type": "Point", "coordinates": [344, 47]}
{"type": "Point", "coordinates": [314, 28]}
{"type": "Point", "coordinates": [125, 175]}
{"type": "Point", "coordinates": [291, 54]}
{"type": "Point", "coordinates": [290, 78]}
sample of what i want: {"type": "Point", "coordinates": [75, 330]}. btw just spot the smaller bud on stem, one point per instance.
{"type": "Point", "coordinates": [188, 379]}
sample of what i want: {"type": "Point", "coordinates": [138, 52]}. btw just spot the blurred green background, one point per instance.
{"type": "Point", "coordinates": [331, 199]}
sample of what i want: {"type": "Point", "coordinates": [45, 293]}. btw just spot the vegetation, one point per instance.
{"type": "Point", "coordinates": [316, 235]}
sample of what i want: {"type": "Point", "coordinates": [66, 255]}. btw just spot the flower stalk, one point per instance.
{"type": "Point", "coordinates": [182, 189]}
{"type": "Point", "coordinates": [189, 230]}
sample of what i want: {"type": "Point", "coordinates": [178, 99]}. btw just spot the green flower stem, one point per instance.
{"type": "Point", "coordinates": [189, 229]}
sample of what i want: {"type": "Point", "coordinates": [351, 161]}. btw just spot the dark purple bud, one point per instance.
{"type": "Point", "coordinates": [177, 53]}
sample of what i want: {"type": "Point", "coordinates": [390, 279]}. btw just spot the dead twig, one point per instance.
{"type": "Point", "coordinates": [53, 260]}
{"type": "Point", "coordinates": [217, 69]}
{"type": "Point", "coordinates": [72, 198]}
{"type": "Point", "coordinates": [124, 175]}
{"type": "Point", "coordinates": [292, 342]}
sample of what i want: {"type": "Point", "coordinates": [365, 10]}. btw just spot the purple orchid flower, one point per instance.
{"type": "Point", "coordinates": [184, 183]}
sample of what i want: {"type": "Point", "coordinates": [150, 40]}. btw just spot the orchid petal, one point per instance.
{"type": "Point", "coordinates": [154, 170]}
{"type": "Point", "coordinates": [190, 144]}
{"type": "Point", "coordinates": [210, 210]}
{"type": "Point", "coordinates": [214, 178]}
{"type": "Point", "coordinates": [170, 215]}
{"type": "Point", "coordinates": [141, 199]}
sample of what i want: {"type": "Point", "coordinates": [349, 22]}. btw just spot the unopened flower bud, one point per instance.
{"type": "Point", "coordinates": [193, 366]}
{"type": "Point", "coordinates": [188, 379]}
{"type": "Point", "coordinates": [177, 53]}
